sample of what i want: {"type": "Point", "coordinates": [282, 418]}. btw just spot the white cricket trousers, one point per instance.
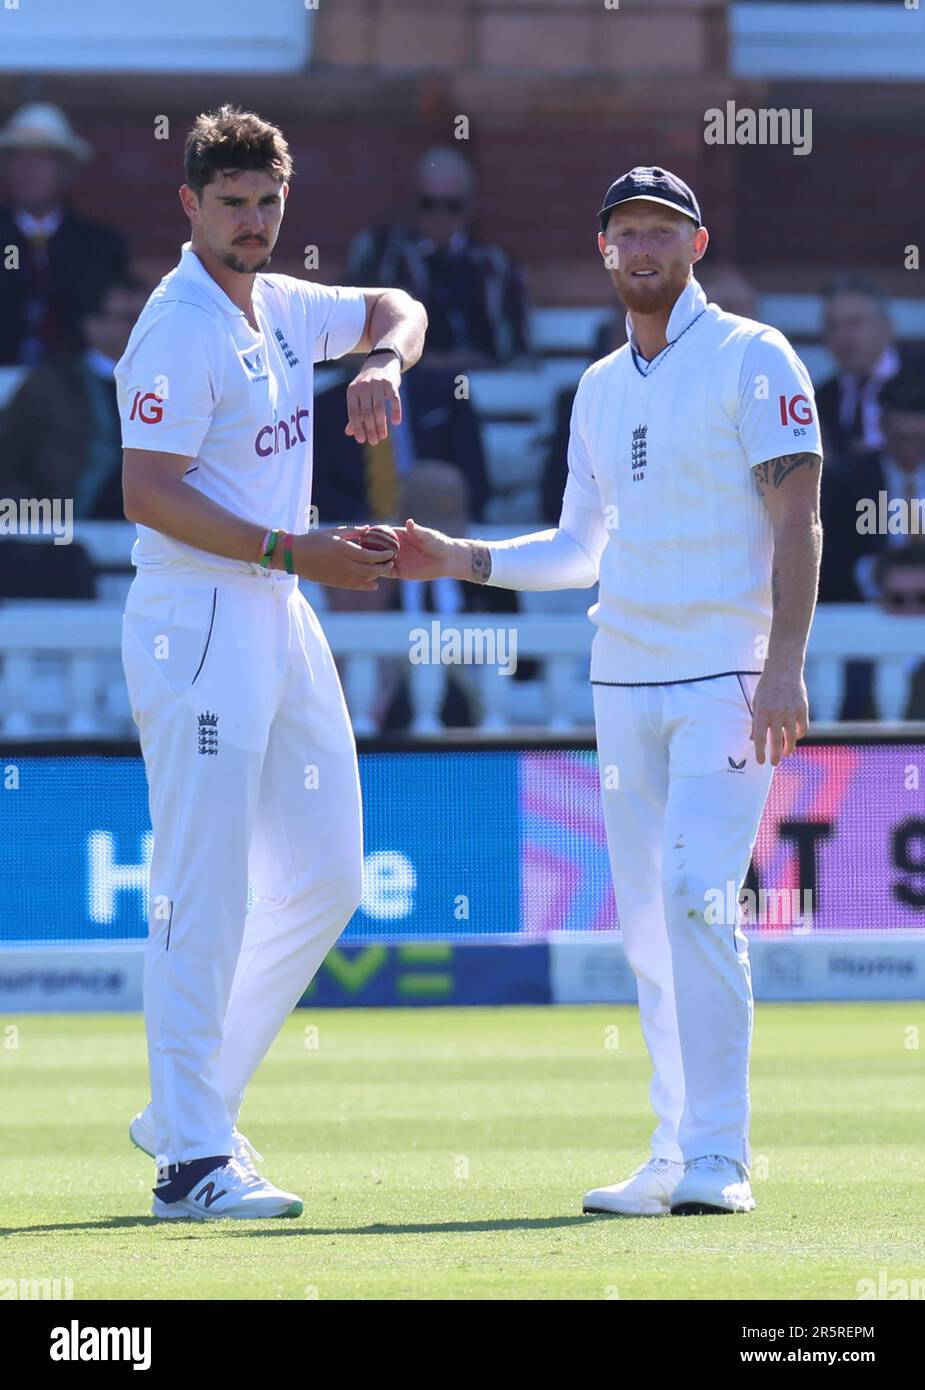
{"type": "Point", "coordinates": [683, 796]}
{"type": "Point", "coordinates": [252, 775]}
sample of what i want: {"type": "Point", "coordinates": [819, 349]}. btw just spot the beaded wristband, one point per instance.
{"type": "Point", "coordinates": [269, 545]}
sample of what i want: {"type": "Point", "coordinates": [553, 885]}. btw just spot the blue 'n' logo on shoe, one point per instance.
{"type": "Point", "coordinates": [213, 1196]}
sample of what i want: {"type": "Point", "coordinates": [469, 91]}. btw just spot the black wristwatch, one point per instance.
{"type": "Point", "coordinates": [386, 347]}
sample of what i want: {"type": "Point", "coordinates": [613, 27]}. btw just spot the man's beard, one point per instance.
{"type": "Point", "coordinates": [641, 297]}
{"type": "Point", "coordinates": [234, 262]}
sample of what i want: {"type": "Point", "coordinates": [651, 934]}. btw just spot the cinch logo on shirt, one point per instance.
{"type": "Point", "coordinates": [147, 414]}
{"type": "Point", "coordinates": [285, 434]}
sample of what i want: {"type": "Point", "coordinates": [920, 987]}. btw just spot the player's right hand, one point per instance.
{"type": "Point", "coordinates": [424, 553]}
{"type": "Point", "coordinates": [334, 558]}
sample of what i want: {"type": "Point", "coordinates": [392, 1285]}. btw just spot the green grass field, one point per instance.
{"type": "Point", "coordinates": [443, 1153]}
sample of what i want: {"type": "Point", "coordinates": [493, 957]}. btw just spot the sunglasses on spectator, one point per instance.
{"type": "Point", "coordinates": [428, 203]}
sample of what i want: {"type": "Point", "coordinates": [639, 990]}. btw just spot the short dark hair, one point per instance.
{"type": "Point", "coordinates": [128, 281]}
{"type": "Point", "coordinates": [909, 556]}
{"type": "Point", "coordinates": [858, 284]}
{"type": "Point", "coordinates": [230, 139]}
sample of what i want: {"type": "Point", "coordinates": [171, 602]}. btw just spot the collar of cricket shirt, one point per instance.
{"type": "Point", "coordinates": [688, 307]}
{"type": "Point", "coordinates": [192, 267]}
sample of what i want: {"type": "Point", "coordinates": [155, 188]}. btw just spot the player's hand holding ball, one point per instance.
{"type": "Point", "coordinates": [381, 540]}
{"type": "Point", "coordinates": [350, 557]}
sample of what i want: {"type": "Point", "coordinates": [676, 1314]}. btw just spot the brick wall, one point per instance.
{"type": "Point", "coordinates": [560, 95]}
{"type": "Point", "coordinates": [537, 36]}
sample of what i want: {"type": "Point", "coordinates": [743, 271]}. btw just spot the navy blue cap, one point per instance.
{"type": "Point", "coordinates": [656, 186]}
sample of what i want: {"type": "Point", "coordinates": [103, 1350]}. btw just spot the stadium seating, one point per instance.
{"type": "Point", "coordinates": [63, 677]}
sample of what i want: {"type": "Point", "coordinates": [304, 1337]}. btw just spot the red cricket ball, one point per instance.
{"type": "Point", "coordinates": [382, 538]}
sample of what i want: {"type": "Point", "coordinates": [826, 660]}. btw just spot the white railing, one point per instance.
{"type": "Point", "coordinates": [61, 672]}
{"type": "Point", "coordinates": [894, 643]}
{"type": "Point", "coordinates": [560, 701]}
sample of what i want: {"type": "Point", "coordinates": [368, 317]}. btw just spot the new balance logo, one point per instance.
{"type": "Point", "coordinates": [736, 767]}
{"type": "Point", "coordinates": [208, 1195]}
{"type": "Point", "coordinates": [208, 733]}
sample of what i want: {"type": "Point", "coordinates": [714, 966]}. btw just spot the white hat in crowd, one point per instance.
{"type": "Point", "coordinates": [41, 126]}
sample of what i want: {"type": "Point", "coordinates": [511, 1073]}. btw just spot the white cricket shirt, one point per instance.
{"type": "Point", "coordinates": [196, 379]}
{"type": "Point", "coordinates": [660, 455]}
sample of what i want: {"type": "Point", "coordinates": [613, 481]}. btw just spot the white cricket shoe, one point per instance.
{"type": "Point", "coordinates": [711, 1185]}
{"type": "Point", "coordinates": [229, 1192]}
{"type": "Point", "coordinates": [141, 1133]}
{"type": "Point", "coordinates": [646, 1192]}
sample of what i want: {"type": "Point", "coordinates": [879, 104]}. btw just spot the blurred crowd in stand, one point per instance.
{"type": "Point", "coordinates": [68, 303]}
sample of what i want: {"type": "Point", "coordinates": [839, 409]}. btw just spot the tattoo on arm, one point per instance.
{"type": "Point", "coordinates": [773, 473]}
{"type": "Point", "coordinates": [775, 587]}
{"type": "Point", "coordinates": [481, 562]}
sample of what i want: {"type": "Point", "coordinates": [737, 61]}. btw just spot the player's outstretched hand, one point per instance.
{"type": "Point", "coordinates": [425, 553]}
{"type": "Point", "coordinates": [372, 393]}
{"type": "Point", "coordinates": [781, 714]}
{"type": "Point", "coordinates": [333, 557]}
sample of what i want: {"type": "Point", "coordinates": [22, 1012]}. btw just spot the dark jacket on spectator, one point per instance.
{"type": "Point", "coordinates": [843, 441]}
{"type": "Point", "coordinates": [84, 257]}
{"type": "Point", "coordinates": [842, 546]}
{"type": "Point", "coordinates": [474, 294]}
{"type": "Point", "coordinates": [60, 437]}
{"type": "Point", "coordinates": [442, 428]}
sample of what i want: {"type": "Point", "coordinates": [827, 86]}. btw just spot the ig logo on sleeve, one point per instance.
{"type": "Point", "coordinates": [798, 410]}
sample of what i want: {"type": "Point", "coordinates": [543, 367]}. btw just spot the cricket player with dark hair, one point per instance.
{"type": "Point", "coordinates": [693, 497]}
{"type": "Point", "coordinates": [248, 749]}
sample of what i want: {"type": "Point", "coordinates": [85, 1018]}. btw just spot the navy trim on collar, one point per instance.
{"type": "Point", "coordinates": [659, 357]}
